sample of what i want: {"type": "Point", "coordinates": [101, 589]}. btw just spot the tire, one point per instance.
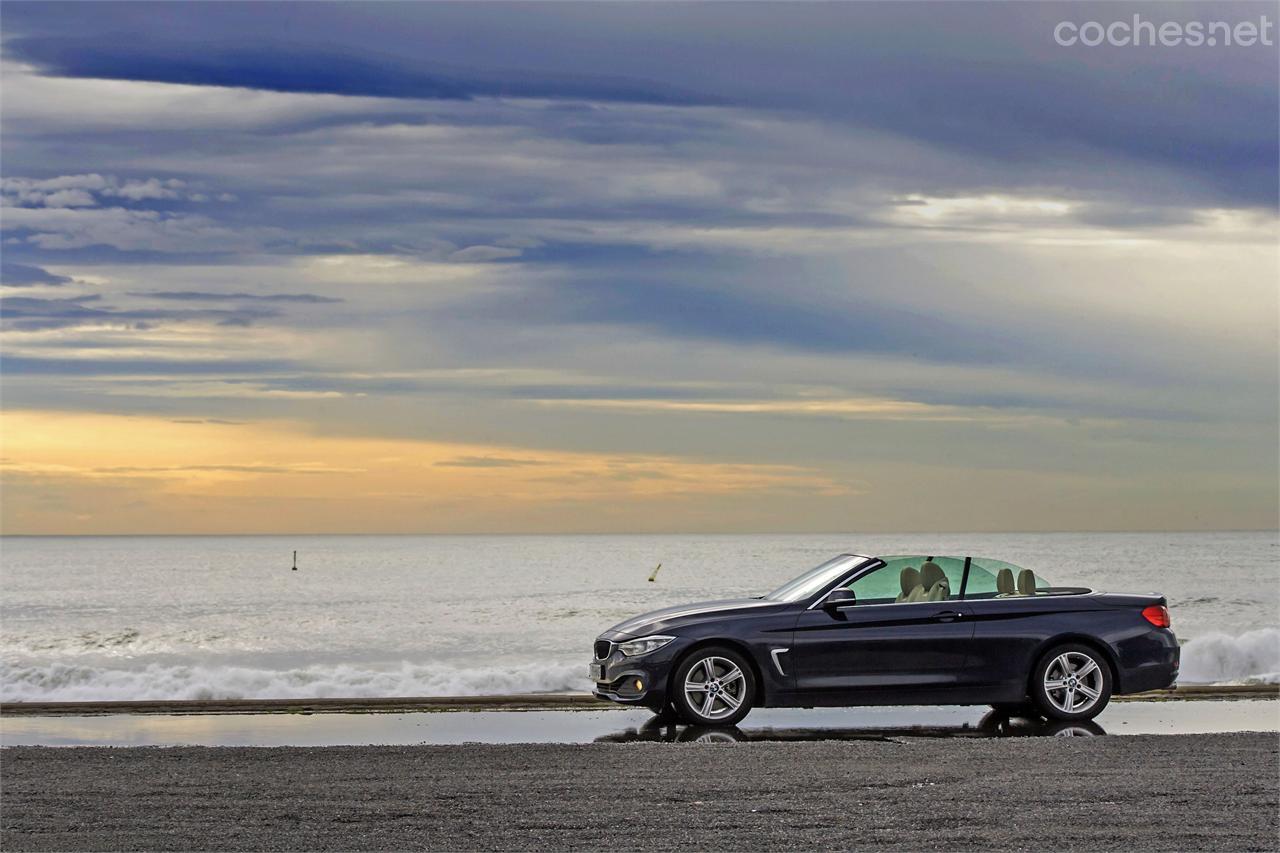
{"type": "Point", "coordinates": [1064, 679]}
{"type": "Point", "coordinates": [729, 691]}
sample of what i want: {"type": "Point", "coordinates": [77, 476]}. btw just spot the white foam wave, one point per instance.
{"type": "Point", "coordinates": [1212, 658]}
{"type": "Point", "coordinates": [1218, 658]}
{"type": "Point", "coordinates": [60, 682]}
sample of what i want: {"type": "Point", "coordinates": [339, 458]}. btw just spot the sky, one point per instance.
{"type": "Point", "coordinates": [484, 268]}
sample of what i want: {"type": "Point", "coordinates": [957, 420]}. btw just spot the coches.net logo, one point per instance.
{"type": "Point", "coordinates": [1139, 32]}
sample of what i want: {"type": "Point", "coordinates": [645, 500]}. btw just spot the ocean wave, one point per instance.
{"type": "Point", "coordinates": [1217, 658]}
{"type": "Point", "coordinates": [61, 682]}
{"type": "Point", "coordinates": [1213, 658]}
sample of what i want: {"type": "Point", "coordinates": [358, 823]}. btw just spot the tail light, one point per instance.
{"type": "Point", "coordinates": [1157, 614]}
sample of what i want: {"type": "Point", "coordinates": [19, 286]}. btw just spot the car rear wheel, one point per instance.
{"type": "Point", "coordinates": [713, 687]}
{"type": "Point", "coordinates": [1071, 682]}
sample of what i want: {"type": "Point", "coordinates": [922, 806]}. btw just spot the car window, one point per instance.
{"type": "Point", "coordinates": [997, 579]}
{"type": "Point", "coordinates": [809, 583]}
{"type": "Point", "coordinates": [911, 579]}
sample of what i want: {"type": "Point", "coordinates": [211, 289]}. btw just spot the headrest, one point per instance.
{"type": "Point", "coordinates": [1026, 582]}
{"type": "Point", "coordinates": [1004, 582]}
{"type": "Point", "coordinates": [931, 574]}
{"type": "Point", "coordinates": [910, 580]}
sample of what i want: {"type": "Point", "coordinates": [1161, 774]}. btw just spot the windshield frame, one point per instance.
{"type": "Point", "coordinates": [819, 579]}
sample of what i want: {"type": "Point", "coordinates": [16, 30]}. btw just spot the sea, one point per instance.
{"type": "Point", "coordinates": [222, 617]}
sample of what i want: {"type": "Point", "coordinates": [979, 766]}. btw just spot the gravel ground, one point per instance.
{"type": "Point", "coordinates": [1177, 792]}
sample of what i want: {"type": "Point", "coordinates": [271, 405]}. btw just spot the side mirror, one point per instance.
{"type": "Point", "coordinates": [839, 599]}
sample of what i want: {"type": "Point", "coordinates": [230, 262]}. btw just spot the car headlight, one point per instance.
{"type": "Point", "coordinates": [644, 645]}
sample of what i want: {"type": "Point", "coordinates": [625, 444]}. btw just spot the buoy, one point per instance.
{"type": "Point", "coordinates": [295, 561]}
{"type": "Point", "coordinates": [654, 575]}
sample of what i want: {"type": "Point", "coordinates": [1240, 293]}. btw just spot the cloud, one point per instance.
{"type": "Point", "coordinates": [202, 296]}
{"type": "Point", "coordinates": [124, 229]}
{"type": "Point", "coordinates": [170, 470]}
{"type": "Point", "coordinates": [82, 367]}
{"type": "Point", "coordinates": [222, 421]}
{"type": "Point", "coordinates": [87, 190]}
{"type": "Point", "coordinates": [30, 313]}
{"type": "Point", "coordinates": [27, 275]}
{"type": "Point", "coordinates": [314, 71]}
{"type": "Point", "coordinates": [661, 231]}
{"type": "Point", "coordinates": [213, 478]}
{"type": "Point", "coordinates": [489, 462]}
{"type": "Point", "coordinates": [969, 80]}
{"type": "Point", "coordinates": [69, 198]}
{"type": "Point", "coordinates": [484, 253]}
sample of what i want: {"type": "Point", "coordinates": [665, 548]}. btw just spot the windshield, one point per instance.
{"type": "Point", "coordinates": [815, 579]}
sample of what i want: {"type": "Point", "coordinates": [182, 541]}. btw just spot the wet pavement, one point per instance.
{"type": "Point", "coordinates": [621, 726]}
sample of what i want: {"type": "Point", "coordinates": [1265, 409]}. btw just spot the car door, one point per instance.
{"type": "Point", "coordinates": [883, 649]}
{"type": "Point", "coordinates": [1011, 621]}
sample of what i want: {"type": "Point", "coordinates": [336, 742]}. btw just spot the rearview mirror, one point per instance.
{"type": "Point", "coordinates": [838, 599]}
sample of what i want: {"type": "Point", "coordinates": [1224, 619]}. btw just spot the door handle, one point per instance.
{"type": "Point", "coordinates": [947, 616]}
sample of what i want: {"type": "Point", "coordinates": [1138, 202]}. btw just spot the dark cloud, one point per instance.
{"type": "Point", "coordinates": [204, 296]}
{"type": "Point", "coordinates": [26, 275]}
{"type": "Point", "coordinates": [282, 69]}
{"type": "Point", "coordinates": [20, 365]}
{"type": "Point", "coordinates": [28, 313]}
{"type": "Point", "coordinates": [985, 80]}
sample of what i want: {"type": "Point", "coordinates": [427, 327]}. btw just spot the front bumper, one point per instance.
{"type": "Point", "coordinates": [641, 681]}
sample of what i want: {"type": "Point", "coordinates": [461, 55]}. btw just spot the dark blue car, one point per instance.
{"type": "Point", "coordinates": [906, 630]}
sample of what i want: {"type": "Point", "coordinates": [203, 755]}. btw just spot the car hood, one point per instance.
{"type": "Point", "coordinates": [673, 617]}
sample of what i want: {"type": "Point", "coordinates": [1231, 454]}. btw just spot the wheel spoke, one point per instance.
{"type": "Point", "coordinates": [1069, 699]}
{"type": "Point", "coordinates": [1055, 684]}
{"type": "Point", "coordinates": [708, 704]}
{"type": "Point", "coordinates": [731, 678]}
{"type": "Point", "coordinates": [696, 686]}
{"type": "Point", "coordinates": [1086, 668]}
{"type": "Point", "coordinates": [1088, 691]}
{"type": "Point", "coordinates": [708, 670]}
{"type": "Point", "coordinates": [730, 700]}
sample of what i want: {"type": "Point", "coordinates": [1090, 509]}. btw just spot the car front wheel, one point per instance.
{"type": "Point", "coordinates": [1071, 682]}
{"type": "Point", "coordinates": [714, 686]}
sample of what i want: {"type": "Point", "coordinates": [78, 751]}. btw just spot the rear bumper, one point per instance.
{"type": "Point", "coordinates": [1148, 662]}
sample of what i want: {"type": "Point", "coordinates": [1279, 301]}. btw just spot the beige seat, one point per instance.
{"type": "Point", "coordinates": [1026, 582]}
{"type": "Point", "coordinates": [912, 590]}
{"type": "Point", "coordinates": [1004, 582]}
{"type": "Point", "coordinates": [934, 580]}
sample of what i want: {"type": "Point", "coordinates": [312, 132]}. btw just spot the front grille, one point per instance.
{"type": "Point", "coordinates": [603, 647]}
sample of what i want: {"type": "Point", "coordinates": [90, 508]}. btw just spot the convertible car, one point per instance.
{"type": "Point", "coordinates": [904, 630]}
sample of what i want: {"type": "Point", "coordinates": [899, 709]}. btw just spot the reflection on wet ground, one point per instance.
{"type": "Point", "coordinates": [620, 726]}
{"type": "Point", "coordinates": [994, 724]}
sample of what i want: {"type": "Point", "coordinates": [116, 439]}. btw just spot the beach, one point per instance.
{"type": "Point", "coordinates": [1175, 792]}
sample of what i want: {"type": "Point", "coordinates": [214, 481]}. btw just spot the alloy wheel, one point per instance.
{"type": "Point", "coordinates": [1073, 682]}
{"type": "Point", "coordinates": [715, 687]}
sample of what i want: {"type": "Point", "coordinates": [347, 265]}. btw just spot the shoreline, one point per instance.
{"type": "Point", "coordinates": [506, 702]}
